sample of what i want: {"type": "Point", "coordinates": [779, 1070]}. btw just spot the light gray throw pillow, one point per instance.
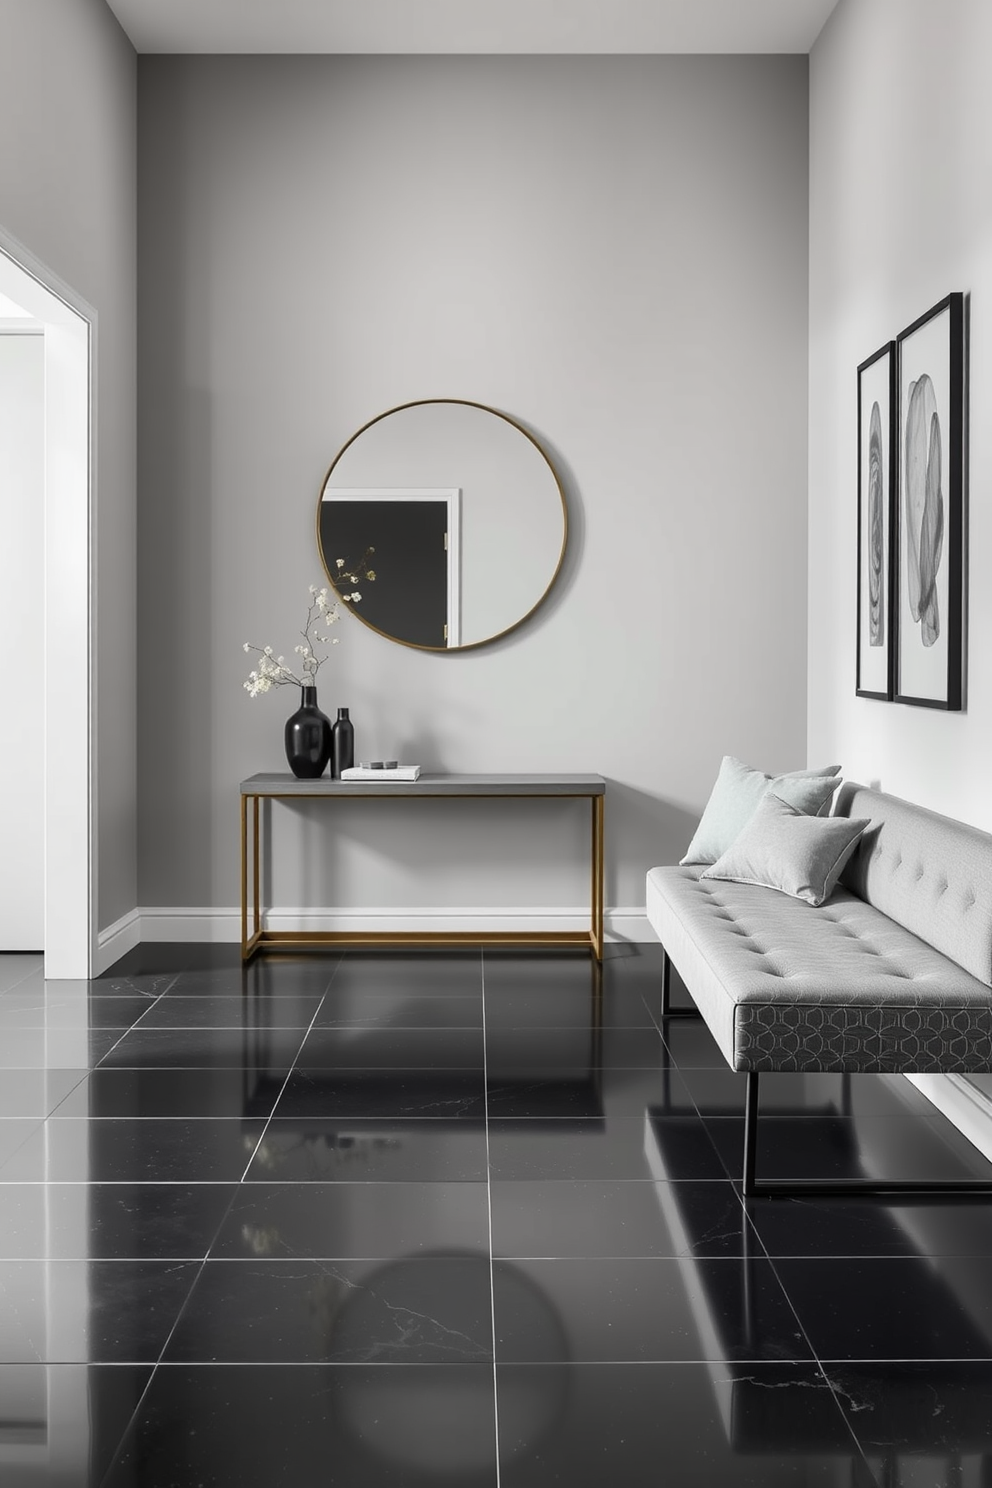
{"type": "Point", "coordinates": [782, 848]}
{"type": "Point", "coordinates": [737, 792]}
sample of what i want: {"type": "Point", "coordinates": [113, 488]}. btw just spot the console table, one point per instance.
{"type": "Point", "coordinates": [285, 787]}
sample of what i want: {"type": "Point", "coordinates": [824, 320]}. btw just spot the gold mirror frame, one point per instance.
{"type": "Point", "coordinates": [495, 413]}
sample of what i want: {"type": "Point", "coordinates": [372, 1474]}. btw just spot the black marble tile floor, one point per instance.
{"type": "Point", "coordinates": [464, 1219]}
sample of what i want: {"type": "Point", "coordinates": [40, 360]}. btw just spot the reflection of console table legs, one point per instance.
{"type": "Point", "coordinates": [429, 787]}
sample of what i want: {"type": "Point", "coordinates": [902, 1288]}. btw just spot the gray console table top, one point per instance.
{"type": "Point", "coordinates": [286, 784]}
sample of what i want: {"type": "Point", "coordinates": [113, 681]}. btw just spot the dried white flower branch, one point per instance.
{"type": "Point", "coordinates": [272, 670]}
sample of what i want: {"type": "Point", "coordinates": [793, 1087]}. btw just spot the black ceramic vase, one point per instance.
{"type": "Point", "coordinates": [342, 744]}
{"type": "Point", "coordinates": [308, 737]}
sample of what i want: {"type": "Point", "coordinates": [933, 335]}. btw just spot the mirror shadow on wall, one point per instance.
{"type": "Point", "coordinates": [458, 513]}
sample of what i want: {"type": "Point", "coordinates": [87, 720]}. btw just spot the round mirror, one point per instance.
{"type": "Point", "coordinates": [457, 512]}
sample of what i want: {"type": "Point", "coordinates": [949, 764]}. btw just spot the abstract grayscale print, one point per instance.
{"type": "Point", "coordinates": [876, 531]}
{"type": "Point", "coordinates": [924, 500]}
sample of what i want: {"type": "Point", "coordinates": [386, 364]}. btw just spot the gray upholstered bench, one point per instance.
{"type": "Point", "coordinates": [891, 974]}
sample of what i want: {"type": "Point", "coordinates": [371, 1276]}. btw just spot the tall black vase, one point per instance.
{"type": "Point", "coordinates": [308, 737]}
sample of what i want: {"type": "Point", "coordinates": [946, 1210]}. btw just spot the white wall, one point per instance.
{"type": "Point", "coordinates": [22, 575]}
{"type": "Point", "coordinates": [67, 193]}
{"type": "Point", "coordinates": [900, 214]}
{"type": "Point", "coordinates": [614, 251]}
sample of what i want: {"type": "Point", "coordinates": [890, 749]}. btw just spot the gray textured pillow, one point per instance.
{"type": "Point", "coordinates": [782, 848]}
{"type": "Point", "coordinates": [735, 795]}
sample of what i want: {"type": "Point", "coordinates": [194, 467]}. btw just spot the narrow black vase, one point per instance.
{"type": "Point", "coordinates": [308, 737]}
{"type": "Point", "coordinates": [342, 744]}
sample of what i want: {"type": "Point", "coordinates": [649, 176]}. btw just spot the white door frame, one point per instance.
{"type": "Point", "coordinates": [65, 607]}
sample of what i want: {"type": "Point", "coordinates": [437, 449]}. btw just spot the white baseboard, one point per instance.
{"type": "Point", "coordinates": [224, 925]}
{"type": "Point", "coordinates": [114, 942]}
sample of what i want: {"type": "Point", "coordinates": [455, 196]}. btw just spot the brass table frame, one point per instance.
{"type": "Point", "coordinates": [254, 937]}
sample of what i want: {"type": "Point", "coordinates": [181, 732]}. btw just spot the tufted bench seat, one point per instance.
{"type": "Point", "coordinates": [890, 975]}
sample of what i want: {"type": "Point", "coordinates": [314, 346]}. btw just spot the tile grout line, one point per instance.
{"type": "Point", "coordinates": [489, 1208]}
{"type": "Point", "coordinates": [771, 1260]}
{"type": "Point", "coordinates": [203, 1262]}
{"type": "Point", "coordinates": [154, 1368]}
{"type": "Point", "coordinates": [291, 1070]}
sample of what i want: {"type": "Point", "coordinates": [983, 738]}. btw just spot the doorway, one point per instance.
{"type": "Point", "coordinates": [22, 523]}
{"type": "Point", "coordinates": [60, 725]}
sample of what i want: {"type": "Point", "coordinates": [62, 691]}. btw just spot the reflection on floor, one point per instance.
{"type": "Point", "coordinates": [464, 1219]}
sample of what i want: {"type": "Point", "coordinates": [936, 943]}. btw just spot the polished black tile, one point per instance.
{"type": "Point", "coordinates": [720, 1091]}
{"type": "Point", "coordinates": [584, 1092]}
{"type": "Point", "coordinates": [539, 970]}
{"type": "Point", "coordinates": [516, 1049]}
{"type": "Point", "coordinates": [760, 1425]}
{"type": "Point", "coordinates": [290, 1011]}
{"type": "Point", "coordinates": [598, 1311]}
{"type": "Point", "coordinates": [62, 1423]}
{"type": "Point", "coordinates": [559, 1093]}
{"type": "Point", "coordinates": [358, 1009]}
{"type": "Point", "coordinates": [893, 1308]}
{"type": "Point", "coordinates": [171, 1092]}
{"type": "Point", "coordinates": [691, 1044]}
{"type": "Point", "coordinates": [156, 958]}
{"type": "Point", "coordinates": [894, 1148]}
{"type": "Point", "coordinates": [205, 1048]}
{"type": "Point", "coordinates": [111, 1221]}
{"type": "Point", "coordinates": [408, 973]}
{"type": "Point", "coordinates": [111, 1012]}
{"type": "Point", "coordinates": [168, 1150]}
{"type": "Point", "coordinates": [918, 1417]}
{"type": "Point", "coordinates": [385, 1426]}
{"type": "Point", "coordinates": [55, 1048]}
{"type": "Point", "coordinates": [286, 1221]}
{"type": "Point", "coordinates": [415, 1309]}
{"type": "Point", "coordinates": [322, 1150]}
{"type": "Point", "coordinates": [353, 1262]}
{"type": "Point", "coordinates": [567, 1006]}
{"type": "Point", "coordinates": [393, 1048]}
{"type": "Point", "coordinates": [630, 961]}
{"type": "Point", "coordinates": [626, 1142]}
{"type": "Point", "coordinates": [36, 1092]}
{"type": "Point", "coordinates": [873, 1226]}
{"type": "Point", "coordinates": [261, 987]}
{"type": "Point", "coordinates": [354, 1094]}
{"type": "Point", "coordinates": [76, 1014]}
{"type": "Point", "coordinates": [148, 987]}
{"type": "Point", "coordinates": [617, 1218]}
{"type": "Point", "coordinates": [90, 1312]}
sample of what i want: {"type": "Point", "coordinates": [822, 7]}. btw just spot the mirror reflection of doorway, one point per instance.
{"type": "Point", "coordinates": [415, 538]}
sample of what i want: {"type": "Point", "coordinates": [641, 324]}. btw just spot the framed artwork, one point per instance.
{"type": "Point", "coordinates": [929, 509]}
{"type": "Point", "coordinates": [876, 547]}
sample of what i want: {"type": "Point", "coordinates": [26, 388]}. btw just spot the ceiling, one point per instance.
{"type": "Point", "coordinates": [485, 26]}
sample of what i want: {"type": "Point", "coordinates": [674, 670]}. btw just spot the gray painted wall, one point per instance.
{"type": "Point", "coordinates": [614, 251]}
{"type": "Point", "coordinates": [900, 216]}
{"type": "Point", "coordinates": [67, 192]}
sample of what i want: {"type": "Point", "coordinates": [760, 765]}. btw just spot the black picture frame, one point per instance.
{"type": "Point", "coordinates": [875, 674]}
{"type": "Point", "coordinates": [929, 538]}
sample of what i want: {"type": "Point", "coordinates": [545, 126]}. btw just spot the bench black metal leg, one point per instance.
{"type": "Point", "coordinates": [667, 1011]}
{"type": "Point", "coordinates": [800, 1188]}
{"type": "Point", "coordinates": [750, 1131]}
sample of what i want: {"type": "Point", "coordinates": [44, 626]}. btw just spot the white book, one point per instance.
{"type": "Point", "coordinates": [397, 772]}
